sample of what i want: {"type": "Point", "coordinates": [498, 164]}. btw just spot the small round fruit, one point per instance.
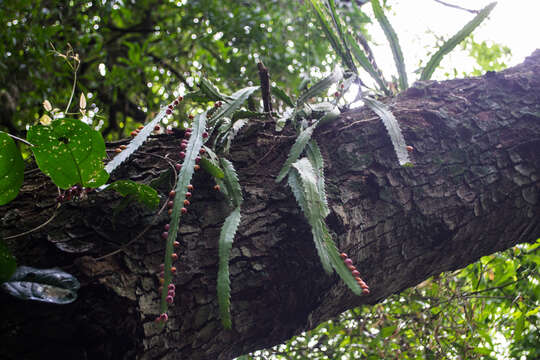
{"type": "Point", "coordinates": [217, 187]}
{"type": "Point", "coordinates": [169, 212]}
{"type": "Point", "coordinates": [186, 202]}
{"type": "Point", "coordinates": [165, 234]}
{"type": "Point", "coordinates": [190, 187]}
{"type": "Point", "coordinates": [178, 167]}
{"type": "Point", "coordinates": [167, 227]}
{"type": "Point", "coordinates": [183, 210]}
{"type": "Point", "coordinates": [172, 193]}
{"type": "Point", "coordinates": [204, 135]}
{"type": "Point", "coordinates": [182, 154]}
{"type": "Point", "coordinates": [188, 194]}
{"type": "Point", "coordinates": [343, 256]}
{"type": "Point", "coordinates": [169, 299]}
{"type": "Point", "coordinates": [196, 167]}
{"type": "Point", "coordinates": [171, 287]}
{"type": "Point", "coordinates": [202, 151]}
{"type": "Point", "coordinates": [118, 150]}
{"type": "Point", "coordinates": [168, 112]}
{"type": "Point", "coordinates": [365, 291]}
{"type": "Point", "coordinates": [173, 270]}
{"type": "Point", "coordinates": [170, 204]}
{"type": "Point", "coordinates": [174, 256]}
{"type": "Point", "coordinates": [409, 148]}
{"type": "Point", "coordinates": [355, 273]}
{"type": "Point", "coordinates": [176, 244]}
{"type": "Point", "coordinates": [123, 147]}
{"type": "Point", "coordinates": [347, 261]}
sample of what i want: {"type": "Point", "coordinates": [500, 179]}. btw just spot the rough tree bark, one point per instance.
{"type": "Point", "coordinates": [474, 189]}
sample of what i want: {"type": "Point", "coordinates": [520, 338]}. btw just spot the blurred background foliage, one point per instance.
{"type": "Point", "coordinates": [132, 56]}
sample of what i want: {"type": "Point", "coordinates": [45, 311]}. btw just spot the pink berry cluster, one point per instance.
{"type": "Point", "coordinates": [355, 273]}
{"type": "Point", "coordinates": [74, 192]}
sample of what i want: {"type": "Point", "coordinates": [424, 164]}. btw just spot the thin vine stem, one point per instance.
{"type": "Point", "coordinates": [149, 226]}
{"type": "Point", "coordinates": [37, 227]}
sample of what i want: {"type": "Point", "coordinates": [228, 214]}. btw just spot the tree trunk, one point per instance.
{"type": "Point", "coordinates": [474, 189]}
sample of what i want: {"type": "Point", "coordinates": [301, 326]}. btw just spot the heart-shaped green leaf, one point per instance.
{"type": "Point", "coordinates": [11, 169]}
{"type": "Point", "coordinates": [70, 152]}
{"type": "Point", "coordinates": [46, 285]}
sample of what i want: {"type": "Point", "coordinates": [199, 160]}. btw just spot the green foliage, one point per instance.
{"type": "Point", "coordinates": [45, 285]}
{"type": "Point", "coordinates": [304, 183]}
{"type": "Point", "coordinates": [320, 86]}
{"type": "Point", "coordinates": [8, 264]}
{"type": "Point", "coordinates": [139, 192]}
{"type": "Point", "coordinates": [226, 237]}
{"type": "Point", "coordinates": [11, 169]}
{"type": "Point", "coordinates": [392, 127]}
{"type": "Point", "coordinates": [230, 182]}
{"type": "Point", "coordinates": [490, 57]}
{"type": "Point", "coordinates": [184, 178]}
{"type": "Point", "coordinates": [296, 151]}
{"type": "Point", "coordinates": [136, 142]}
{"type": "Point", "coordinates": [393, 41]}
{"type": "Point", "coordinates": [212, 169]}
{"type": "Point", "coordinates": [451, 43]}
{"type": "Point", "coordinates": [70, 152]}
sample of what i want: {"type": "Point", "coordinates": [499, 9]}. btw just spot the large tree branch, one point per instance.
{"type": "Point", "coordinates": [474, 189]}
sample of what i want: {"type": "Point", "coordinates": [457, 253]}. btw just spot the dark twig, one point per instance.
{"type": "Point", "coordinates": [457, 7]}
{"type": "Point", "coordinates": [265, 87]}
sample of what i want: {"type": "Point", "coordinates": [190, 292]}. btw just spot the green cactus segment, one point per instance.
{"type": "Point", "coordinates": [184, 178]}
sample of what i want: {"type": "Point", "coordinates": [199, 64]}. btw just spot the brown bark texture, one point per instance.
{"type": "Point", "coordinates": [474, 189]}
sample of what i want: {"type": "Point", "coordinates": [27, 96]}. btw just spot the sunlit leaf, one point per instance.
{"type": "Point", "coordinates": [70, 152]}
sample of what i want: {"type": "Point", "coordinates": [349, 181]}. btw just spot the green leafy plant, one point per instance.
{"type": "Point", "coordinates": [70, 152]}
{"type": "Point", "coordinates": [11, 169]}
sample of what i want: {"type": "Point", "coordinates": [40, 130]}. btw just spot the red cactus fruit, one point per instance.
{"type": "Point", "coordinates": [343, 256]}
{"type": "Point", "coordinates": [165, 234]}
{"type": "Point", "coordinates": [196, 167]}
{"type": "Point", "coordinates": [347, 261]}
{"type": "Point", "coordinates": [186, 202]}
{"type": "Point", "coordinates": [174, 256]}
{"type": "Point", "coordinates": [183, 210]}
{"type": "Point", "coordinates": [188, 194]}
{"type": "Point", "coordinates": [169, 299]}
{"type": "Point", "coordinates": [190, 187]}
